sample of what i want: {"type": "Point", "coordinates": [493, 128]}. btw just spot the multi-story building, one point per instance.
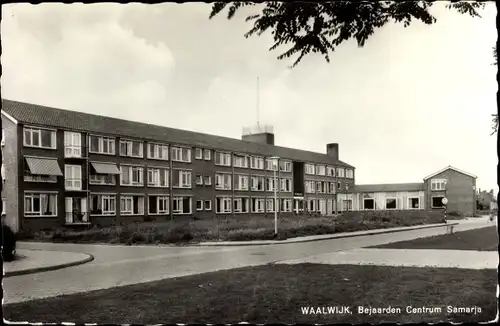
{"type": "Point", "coordinates": [70, 168]}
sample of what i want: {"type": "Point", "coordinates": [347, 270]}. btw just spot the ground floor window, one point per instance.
{"type": "Point", "coordinates": [181, 205]}
{"type": "Point", "coordinates": [76, 210]}
{"type": "Point", "coordinates": [158, 205]}
{"type": "Point", "coordinates": [102, 204]}
{"type": "Point", "coordinates": [347, 204]}
{"type": "Point", "coordinates": [390, 203]}
{"type": "Point", "coordinates": [132, 205]}
{"type": "Point", "coordinates": [437, 202]}
{"type": "Point", "coordinates": [312, 205]}
{"type": "Point", "coordinates": [369, 203]}
{"type": "Point", "coordinates": [414, 203]}
{"type": "Point", "coordinates": [40, 204]}
{"type": "Point", "coordinates": [286, 205]}
{"type": "Point", "coordinates": [270, 204]}
{"type": "Point", "coordinates": [258, 205]}
{"type": "Point", "coordinates": [223, 205]}
{"type": "Point", "coordinates": [241, 205]}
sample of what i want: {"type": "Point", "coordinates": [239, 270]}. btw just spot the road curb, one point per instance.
{"type": "Point", "coordinates": [334, 236]}
{"type": "Point", "coordinates": [50, 268]}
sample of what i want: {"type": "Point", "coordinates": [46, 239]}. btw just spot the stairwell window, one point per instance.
{"type": "Point", "coordinates": [223, 205]}
{"type": "Point", "coordinates": [181, 179]}
{"type": "Point", "coordinates": [157, 151]}
{"type": "Point", "coordinates": [131, 176]}
{"type": "Point", "coordinates": [102, 145]}
{"type": "Point", "coordinates": [309, 169]}
{"type": "Point", "coordinates": [41, 138]}
{"type": "Point", "coordinates": [72, 144]}
{"type": "Point", "coordinates": [132, 205]}
{"type": "Point", "coordinates": [222, 159]}
{"type": "Point", "coordinates": [223, 181]}
{"type": "Point", "coordinates": [181, 154]}
{"type": "Point", "coordinates": [73, 177]}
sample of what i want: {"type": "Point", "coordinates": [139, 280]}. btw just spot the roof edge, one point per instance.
{"type": "Point", "coordinates": [8, 116]}
{"type": "Point", "coordinates": [449, 167]}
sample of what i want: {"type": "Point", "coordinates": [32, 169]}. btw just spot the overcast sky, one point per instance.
{"type": "Point", "coordinates": [409, 103]}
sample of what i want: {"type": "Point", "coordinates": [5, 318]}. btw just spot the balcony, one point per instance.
{"type": "Point", "coordinates": [75, 184]}
{"type": "Point", "coordinates": [75, 152]}
{"type": "Point", "coordinates": [77, 218]}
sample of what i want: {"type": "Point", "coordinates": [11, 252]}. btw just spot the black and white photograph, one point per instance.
{"type": "Point", "coordinates": [249, 162]}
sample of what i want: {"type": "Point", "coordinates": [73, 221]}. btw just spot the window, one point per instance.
{"type": "Point", "coordinates": [102, 179]}
{"type": "Point", "coordinates": [286, 184]}
{"type": "Point", "coordinates": [340, 172]}
{"type": "Point", "coordinates": [181, 205]}
{"type": "Point", "coordinates": [222, 181]}
{"type": "Point", "coordinates": [438, 184]}
{"type": "Point", "coordinates": [241, 182]}
{"type": "Point", "coordinates": [270, 164]}
{"type": "Point", "coordinates": [132, 205]}
{"type": "Point", "coordinates": [390, 203]}
{"type": "Point", "coordinates": [208, 180]}
{"type": "Point", "coordinates": [312, 205]}
{"type": "Point", "coordinates": [257, 163]}
{"type": "Point", "coordinates": [319, 188]}
{"type": "Point", "coordinates": [241, 205]}
{"type": "Point", "coordinates": [347, 204]}
{"type": "Point", "coordinates": [72, 144]}
{"type": "Point", "coordinates": [41, 138]}
{"type": "Point", "coordinates": [349, 173]}
{"type": "Point", "coordinates": [181, 154]}
{"type": "Point", "coordinates": [157, 151]}
{"type": "Point", "coordinates": [40, 204]}
{"type": "Point", "coordinates": [181, 179]}
{"type": "Point", "coordinates": [286, 205]}
{"type": "Point", "coordinates": [285, 166]}
{"type": "Point", "coordinates": [320, 170]}
{"type": "Point", "coordinates": [199, 205]}
{"type": "Point", "coordinates": [206, 155]}
{"type": "Point", "coordinates": [270, 204]}
{"type": "Point", "coordinates": [3, 137]}
{"type": "Point", "coordinates": [131, 176]}
{"type": "Point", "coordinates": [3, 206]}
{"type": "Point", "coordinates": [198, 153]}
{"type": "Point", "coordinates": [208, 205]}
{"type": "Point", "coordinates": [330, 171]}
{"type": "Point", "coordinates": [272, 184]}
{"type": "Point", "coordinates": [158, 204]}
{"type": "Point", "coordinates": [223, 159]}
{"type": "Point", "coordinates": [223, 205]}
{"type": "Point", "coordinates": [102, 145]}
{"type": "Point", "coordinates": [240, 161]}
{"type": "Point", "coordinates": [437, 202]}
{"type": "Point", "coordinates": [257, 205]}
{"type": "Point", "coordinates": [339, 185]}
{"type": "Point", "coordinates": [309, 168]}
{"type": "Point", "coordinates": [369, 203]}
{"type": "Point", "coordinates": [158, 177]}
{"type": "Point", "coordinates": [199, 180]}
{"type": "Point", "coordinates": [310, 186]}
{"type": "Point", "coordinates": [102, 204]}
{"type": "Point", "coordinates": [414, 203]}
{"type": "Point", "coordinates": [257, 183]}
{"type": "Point", "coordinates": [73, 177]}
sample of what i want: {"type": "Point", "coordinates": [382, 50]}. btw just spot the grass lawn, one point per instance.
{"type": "Point", "coordinates": [239, 228]}
{"type": "Point", "coordinates": [484, 239]}
{"type": "Point", "coordinates": [276, 293]}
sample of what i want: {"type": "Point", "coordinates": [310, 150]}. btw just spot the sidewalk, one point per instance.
{"type": "Point", "coordinates": [446, 228]}
{"type": "Point", "coordinates": [468, 259]}
{"type": "Point", "coordinates": [35, 261]}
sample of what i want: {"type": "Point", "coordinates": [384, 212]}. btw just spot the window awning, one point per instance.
{"type": "Point", "coordinates": [43, 166]}
{"type": "Point", "coordinates": [105, 168]}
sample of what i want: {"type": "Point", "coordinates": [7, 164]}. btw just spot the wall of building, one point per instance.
{"type": "Point", "coordinates": [402, 199]}
{"type": "Point", "coordinates": [460, 192]}
{"type": "Point", "coordinates": [10, 189]}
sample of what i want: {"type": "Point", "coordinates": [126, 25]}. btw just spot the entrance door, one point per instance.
{"type": "Point", "coordinates": [76, 210]}
{"type": "Point", "coordinates": [298, 205]}
{"type": "Point", "coordinates": [322, 207]}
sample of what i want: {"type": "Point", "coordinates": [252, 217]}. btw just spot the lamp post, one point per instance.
{"type": "Point", "coordinates": [445, 200]}
{"type": "Point", "coordinates": [275, 161]}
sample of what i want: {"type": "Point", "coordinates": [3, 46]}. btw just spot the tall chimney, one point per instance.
{"type": "Point", "coordinates": [332, 150]}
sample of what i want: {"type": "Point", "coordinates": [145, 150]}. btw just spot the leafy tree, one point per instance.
{"type": "Point", "coordinates": [320, 27]}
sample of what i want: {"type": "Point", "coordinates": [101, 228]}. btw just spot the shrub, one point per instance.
{"type": "Point", "coordinates": [456, 214]}
{"type": "Point", "coordinates": [8, 243]}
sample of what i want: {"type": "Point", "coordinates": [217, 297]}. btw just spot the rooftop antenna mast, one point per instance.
{"type": "Point", "coordinates": [258, 102]}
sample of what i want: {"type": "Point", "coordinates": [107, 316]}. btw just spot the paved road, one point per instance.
{"type": "Point", "coordinates": [124, 265]}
